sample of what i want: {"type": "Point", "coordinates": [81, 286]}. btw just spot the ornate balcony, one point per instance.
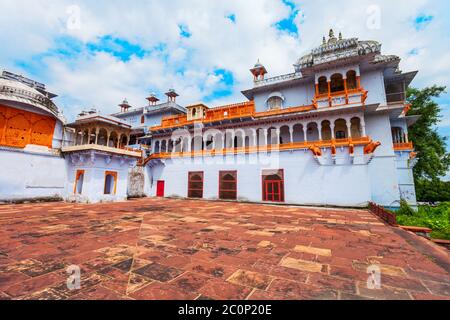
{"type": "Point", "coordinates": [341, 98]}
{"type": "Point", "coordinates": [234, 111]}
{"type": "Point", "coordinates": [405, 146]}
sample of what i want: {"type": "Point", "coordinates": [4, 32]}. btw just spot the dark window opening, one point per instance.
{"type": "Point", "coordinates": [228, 185]}
{"type": "Point", "coordinates": [337, 83]}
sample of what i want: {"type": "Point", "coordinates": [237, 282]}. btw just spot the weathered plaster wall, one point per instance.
{"type": "Point", "coordinates": [31, 175]}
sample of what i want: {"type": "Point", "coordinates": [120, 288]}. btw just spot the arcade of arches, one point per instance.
{"type": "Point", "coordinates": [101, 136]}
{"type": "Point", "coordinates": [325, 130]}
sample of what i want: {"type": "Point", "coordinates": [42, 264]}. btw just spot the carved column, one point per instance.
{"type": "Point", "coordinates": [305, 132]}
{"type": "Point", "coordinates": [363, 128]}
{"type": "Point", "coordinates": [291, 134]}
{"type": "Point", "coordinates": [348, 123]}
{"type": "Point", "coordinates": [265, 132]}
{"type": "Point", "coordinates": [319, 128]}
{"type": "Point", "coordinates": [97, 131]}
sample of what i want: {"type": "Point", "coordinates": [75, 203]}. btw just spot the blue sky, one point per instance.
{"type": "Point", "coordinates": [97, 53]}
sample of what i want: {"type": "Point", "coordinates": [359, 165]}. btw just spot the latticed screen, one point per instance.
{"type": "Point", "coordinates": [195, 188]}
{"type": "Point", "coordinates": [228, 185]}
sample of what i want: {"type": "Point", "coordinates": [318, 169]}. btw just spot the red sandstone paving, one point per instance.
{"type": "Point", "coordinates": [185, 249]}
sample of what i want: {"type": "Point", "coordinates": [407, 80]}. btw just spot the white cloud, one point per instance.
{"type": "Point", "coordinates": [100, 79]}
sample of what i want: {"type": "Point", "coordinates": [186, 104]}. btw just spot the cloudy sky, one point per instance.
{"type": "Point", "coordinates": [96, 53]}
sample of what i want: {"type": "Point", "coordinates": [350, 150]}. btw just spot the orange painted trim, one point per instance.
{"type": "Point", "coordinates": [77, 178]}
{"type": "Point", "coordinates": [408, 146]}
{"type": "Point", "coordinates": [364, 141]}
{"type": "Point", "coordinates": [18, 128]}
{"type": "Point", "coordinates": [114, 175]}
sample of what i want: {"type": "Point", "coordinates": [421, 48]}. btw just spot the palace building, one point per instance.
{"type": "Point", "coordinates": [333, 132]}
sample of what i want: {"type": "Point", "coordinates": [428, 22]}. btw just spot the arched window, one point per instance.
{"type": "Point", "coordinates": [194, 112]}
{"type": "Point", "coordinates": [356, 127]}
{"type": "Point", "coordinates": [123, 141]}
{"type": "Point", "coordinates": [326, 130]}
{"type": "Point", "coordinates": [337, 83]}
{"type": "Point", "coordinates": [110, 182]}
{"type": "Point", "coordinates": [275, 103]}
{"type": "Point", "coordinates": [113, 140]}
{"type": "Point", "coordinates": [323, 85]}
{"type": "Point", "coordinates": [195, 185]}
{"type": "Point", "coordinates": [228, 185]}
{"type": "Point", "coordinates": [351, 80]}
{"type": "Point", "coordinates": [340, 129]}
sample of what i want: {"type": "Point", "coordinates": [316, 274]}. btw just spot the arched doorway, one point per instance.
{"type": "Point", "coordinates": [228, 185]}
{"type": "Point", "coordinates": [79, 179]}
{"type": "Point", "coordinates": [273, 185]}
{"type": "Point", "coordinates": [195, 185]}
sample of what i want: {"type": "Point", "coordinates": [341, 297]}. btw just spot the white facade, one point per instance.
{"type": "Point", "coordinates": [334, 132]}
{"type": "Point", "coordinates": [331, 133]}
{"type": "Point", "coordinates": [95, 167]}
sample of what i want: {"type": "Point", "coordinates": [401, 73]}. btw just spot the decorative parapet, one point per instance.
{"type": "Point", "coordinates": [406, 146]}
{"type": "Point", "coordinates": [277, 79]}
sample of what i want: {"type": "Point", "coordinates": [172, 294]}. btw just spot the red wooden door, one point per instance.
{"type": "Point", "coordinates": [160, 189]}
{"type": "Point", "coordinates": [274, 191]}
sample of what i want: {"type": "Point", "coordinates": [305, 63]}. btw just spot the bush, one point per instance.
{"type": "Point", "coordinates": [435, 218]}
{"type": "Point", "coordinates": [405, 209]}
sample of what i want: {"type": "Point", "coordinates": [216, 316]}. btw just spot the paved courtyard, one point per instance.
{"type": "Point", "coordinates": [182, 249]}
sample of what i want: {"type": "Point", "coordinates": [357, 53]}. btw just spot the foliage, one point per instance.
{"type": "Point", "coordinates": [405, 209]}
{"type": "Point", "coordinates": [432, 191]}
{"type": "Point", "coordinates": [433, 159]}
{"type": "Point", "coordinates": [435, 218]}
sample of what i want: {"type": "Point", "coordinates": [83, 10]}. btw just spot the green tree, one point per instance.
{"type": "Point", "coordinates": [433, 160]}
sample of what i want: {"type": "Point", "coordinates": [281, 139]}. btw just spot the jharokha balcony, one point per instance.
{"type": "Point", "coordinates": [404, 146]}
{"type": "Point", "coordinates": [339, 90]}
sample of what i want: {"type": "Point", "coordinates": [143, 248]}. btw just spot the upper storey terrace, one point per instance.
{"type": "Point", "coordinates": [340, 76]}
